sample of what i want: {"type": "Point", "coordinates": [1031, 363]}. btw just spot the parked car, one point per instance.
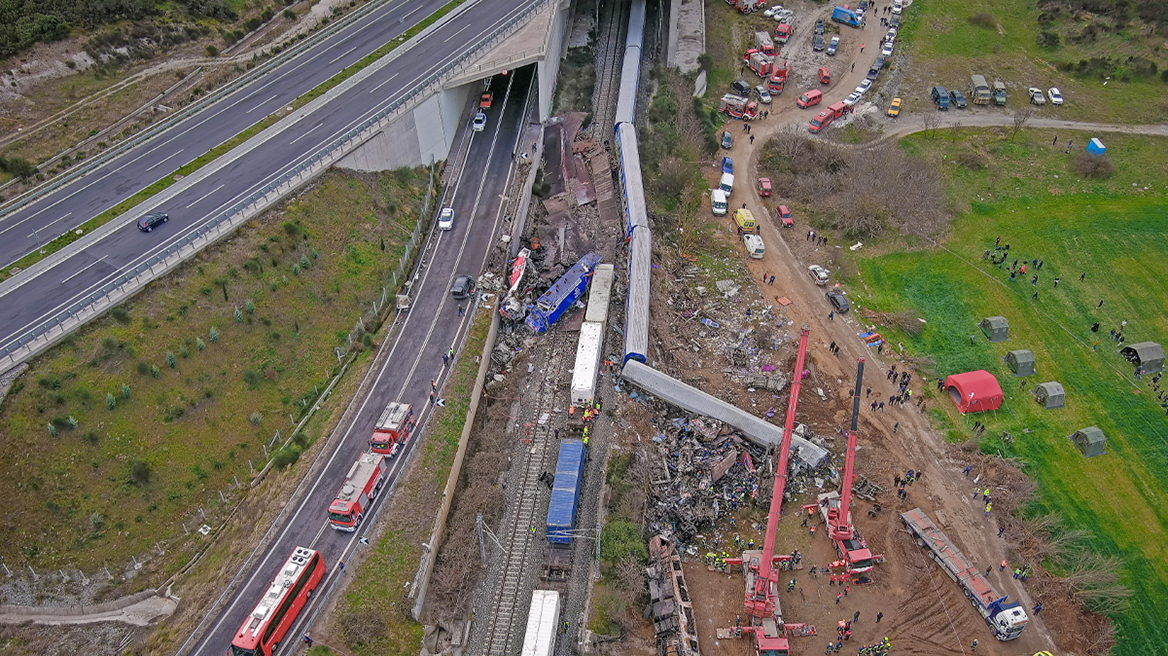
{"type": "Point", "coordinates": [895, 20]}
{"type": "Point", "coordinates": [865, 84]}
{"type": "Point", "coordinates": [833, 46]}
{"type": "Point", "coordinates": [463, 287]}
{"type": "Point", "coordinates": [897, 7]}
{"type": "Point", "coordinates": [479, 122]}
{"type": "Point", "coordinates": [1056, 97]}
{"type": "Point", "coordinates": [149, 221]}
{"type": "Point", "coordinates": [764, 96]}
{"type": "Point", "coordinates": [764, 187]}
{"type": "Point", "coordinates": [837, 300]}
{"type": "Point", "coordinates": [886, 50]}
{"type": "Point", "coordinates": [853, 98]}
{"type": "Point", "coordinates": [956, 99]}
{"type": "Point", "coordinates": [891, 35]}
{"type": "Point", "coordinates": [824, 76]}
{"type": "Point", "coordinates": [784, 215]}
{"type": "Point", "coordinates": [446, 218]}
{"type": "Point", "coordinates": [740, 87]}
{"type": "Point", "coordinates": [818, 274]}
{"type": "Point", "coordinates": [817, 42]}
{"type": "Point", "coordinates": [940, 97]}
{"type": "Point", "coordinates": [819, 26]}
{"type": "Point", "coordinates": [894, 108]}
{"type": "Point", "coordinates": [727, 140]}
{"type": "Point", "coordinates": [1036, 97]}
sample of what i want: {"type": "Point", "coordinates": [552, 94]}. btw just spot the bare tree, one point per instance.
{"type": "Point", "coordinates": [1021, 117]}
{"type": "Point", "coordinates": [954, 130]}
{"type": "Point", "coordinates": [931, 121]}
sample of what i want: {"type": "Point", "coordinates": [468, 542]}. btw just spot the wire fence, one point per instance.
{"type": "Point", "coordinates": [53, 328]}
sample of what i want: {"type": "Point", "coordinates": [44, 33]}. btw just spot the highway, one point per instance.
{"type": "Point", "coordinates": [29, 303]}
{"type": "Point", "coordinates": [411, 360]}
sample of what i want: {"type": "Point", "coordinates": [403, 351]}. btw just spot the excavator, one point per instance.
{"type": "Point", "coordinates": [771, 636]}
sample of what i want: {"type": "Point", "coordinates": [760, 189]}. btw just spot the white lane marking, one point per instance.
{"type": "Point", "coordinates": [456, 33]}
{"type": "Point", "coordinates": [385, 82]}
{"type": "Point", "coordinates": [161, 161]}
{"type": "Point", "coordinates": [204, 196]}
{"type": "Point", "coordinates": [84, 269]}
{"type": "Point", "coordinates": [306, 133]}
{"type": "Point", "coordinates": [262, 104]}
{"type": "Point", "coordinates": [340, 56]}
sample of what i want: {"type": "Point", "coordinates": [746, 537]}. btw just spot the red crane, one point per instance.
{"type": "Point", "coordinates": [835, 507]}
{"type": "Point", "coordinates": [762, 582]}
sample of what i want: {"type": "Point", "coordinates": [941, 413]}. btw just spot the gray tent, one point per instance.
{"type": "Point", "coordinates": [1021, 362]}
{"type": "Point", "coordinates": [996, 329]}
{"type": "Point", "coordinates": [1148, 355]}
{"type": "Point", "coordinates": [1090, 441]}
{"type": "Point", "coordinates": [1050, 395]}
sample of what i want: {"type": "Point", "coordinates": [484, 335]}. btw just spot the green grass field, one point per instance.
{"type": "Point", "coordinates": [1115, 233]}
{"type": "Point", "coordinates": [947, 48]}
{"type": "Point", "coordinates": [281, 294]}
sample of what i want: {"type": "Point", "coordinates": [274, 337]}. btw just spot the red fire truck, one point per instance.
{"type": "Point", "coordinates": [393, 428]}
{"type": "Point", "coordinates": [265, 627]}
{"type": "Point", "coordinates": [738, 107]}
{"type": "Point", "coordinates": [360, 488]}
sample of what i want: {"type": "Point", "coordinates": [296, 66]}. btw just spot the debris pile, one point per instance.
{"type": "Point", "coordinates": [670, 603]}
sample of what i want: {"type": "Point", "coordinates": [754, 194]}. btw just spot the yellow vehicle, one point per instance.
{"type": "Point", "coordinates": [744, 218]}
{"type": "Point", "coordinates": [894, 108]}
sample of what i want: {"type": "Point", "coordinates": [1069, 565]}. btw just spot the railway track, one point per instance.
{"type": "Point", "coordinates": [610, 52]}
{"type": "Point", "coordinates": [510, 590]}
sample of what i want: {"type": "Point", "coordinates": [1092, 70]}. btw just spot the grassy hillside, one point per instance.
{"type": "Point", "coordinates": [1109, 70]}
{"type": "Point", "coordinates": [1031, 196]}
{"type": "Point", "coordinates": [175, 392]}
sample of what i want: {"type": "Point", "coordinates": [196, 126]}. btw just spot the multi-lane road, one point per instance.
{"type": "Point", "coordinates": [411, 361]}
{"type": "Point", "coordinates": [30, 302]}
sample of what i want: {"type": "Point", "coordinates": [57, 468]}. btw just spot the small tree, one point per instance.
{"type": "Point", "coordinates": [155, 371]}
{"type": "Point", "coordinates": [1021, 117]}
{"type": "Point", "coordinates": [200, 344]}
{"type": "Point", "coordinates": [125, 391]}
{"type": "Point", "coordinates": [171, 361]}
{"type": "Point", "coordinates": [52, 429]}
{"type": "Point", "coordinates": [110, 401]}
{"type": "Point", "coordinates": [139, 472]}
{"type": "Point", "coordinates": [249, 306]}
{"type": "Point", "coordinates": [238, 315]}
{"type": "Point", "coordinates": [214, 334]}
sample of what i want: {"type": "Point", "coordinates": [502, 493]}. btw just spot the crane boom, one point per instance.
{"type": "Point", "coordinates": [841, 525]}
{"type": "Point", "coordinates": [768, 549]}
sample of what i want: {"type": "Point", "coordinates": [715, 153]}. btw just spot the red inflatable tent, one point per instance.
{"type": "Point", "coordinates": [974, 391]}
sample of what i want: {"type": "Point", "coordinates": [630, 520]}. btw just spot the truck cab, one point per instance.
{"type": "Point", "coordinates": [393, 427]}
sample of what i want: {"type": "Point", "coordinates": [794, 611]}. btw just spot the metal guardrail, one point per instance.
{"type": "Point", "coordinates": [119, 149]}
{"type": "Point", "coordinates": [129, 281]}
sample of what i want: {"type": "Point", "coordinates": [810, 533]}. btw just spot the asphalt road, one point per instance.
{"type": "Point", "coordinates": [38, 300]}
{"type": "Point", "coordinates": [411, 361]}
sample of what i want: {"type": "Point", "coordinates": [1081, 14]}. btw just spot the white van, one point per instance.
{"type": "Point", "coordinates": [727, 184]}
{"type": "Point", "coordinates": [754, 246]}
{"type": "Point", "coordinates": [718, 200]}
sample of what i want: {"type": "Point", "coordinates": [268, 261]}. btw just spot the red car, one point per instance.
{"type": "Point", "coordinates": [486, 99]}
{"type": "Point", "coordinates": [785, 216]}
{"type": "Point", "coordinates": [764, 187]}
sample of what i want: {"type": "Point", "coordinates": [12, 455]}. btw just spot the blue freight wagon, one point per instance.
{"type": "Point", "coordinates": [548, 308]}
{"type": "Point", "coordinates": [561, 517]}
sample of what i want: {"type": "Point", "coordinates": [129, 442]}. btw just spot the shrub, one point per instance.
{"type": "Point", "coordinates": [18, 167]}
{"type": "Point", "coordinates": [155, 371]}
{"type": "Point", "coordinates": [251, 377]}
{"type": "Point", "coordinates": [214, 334]}
{"type": "Point", "coordinates": [143, 368]}
{"type": "Point", "coordinates": [200, 344]}
{"type": "Point", "coordinates": [249, 306]}
{"type": "Point", "coordinates": [121, 315]}
{"type": "Point", "coordinates": [1090, 166]}
{"type": "Point", "coordinates": [1047, 39]}
{"type": "Point", "coordinates": [125, 391]}
{"type": "Point", "coordinates": [238, 315]}
{"type": "Point", "coordinates": [255, 417]}
{"type": "Point", "coordinates": [285, 457]}
{"type": "Point", "coordinates": [619, 539]}
{"type": "Point", "coordinates": [305, 262]}
{"type": "Point", "coordinates": [289, 14]}
{"type": "Point", "coordinates": [212, 51]}
{"type": "Point", "coordinates": [110, 401]}
{"type": "Point", "coordinates": [274, 286]}
{"type": "Point", "coordinates": [184, 351]}
{"type": "Point", "coordinates": [171, 361]}
{"type": "Point", "coordinates": [983, 19]}
{"type": "Point", "coordinates": [139, 472]}
{"type": "Point", "coordinates": [52, 429]}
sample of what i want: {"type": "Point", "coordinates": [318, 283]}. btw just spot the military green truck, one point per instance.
{"type": "Point", "coordinates": [999, 93]}
{"type": "Point", "coordinates": [979, 91]}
